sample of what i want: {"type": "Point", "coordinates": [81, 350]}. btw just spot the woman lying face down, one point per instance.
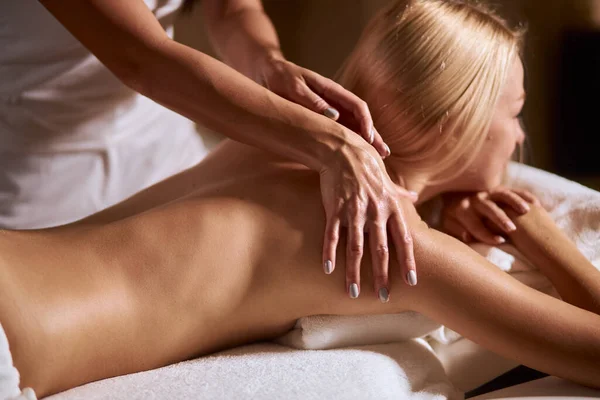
{"type": "Point", "coordinates": [205, 261]}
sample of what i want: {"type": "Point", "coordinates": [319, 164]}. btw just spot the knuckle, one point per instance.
{"type": "Point", "coordinates": [380, 276]}
{"type": "Point", "coordinates": [382, 251]}
{"type": "Point", "coordinates": [355, 249]}
{"type": "Point", "coordinates": [378, 225]}
{"type": "Point", "coordinates": [363, 107]}
{"type": "Point", "coordinates": [333, 236]}
{"type": "Point", "coordinates": [297, 87]}
{"type": "Point", "coordinates": [329, 87]}
{"type": "Point", "coordinates": [356, 208]}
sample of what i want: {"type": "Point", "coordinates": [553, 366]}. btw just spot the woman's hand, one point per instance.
{"type": "Point", "coordinates": [481, 216]}
{"type": "Point", "coordinates": [319, 94]}
{"type": "Point", "coordinates": [358, 193]}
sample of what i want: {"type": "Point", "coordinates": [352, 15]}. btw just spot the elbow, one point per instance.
{"type": "Point", "coordinates": [132, 76]}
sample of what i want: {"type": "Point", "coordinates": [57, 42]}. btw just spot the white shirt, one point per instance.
{"type": "Point", "coordinates": [73, 138]}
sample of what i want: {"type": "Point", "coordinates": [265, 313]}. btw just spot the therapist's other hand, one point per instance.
{"type": "Point", "coordinates": [319, 94]}
{"type": "Point", "coordinates": [358, 193]}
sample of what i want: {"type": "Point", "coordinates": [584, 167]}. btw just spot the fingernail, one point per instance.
{"type": "Point", "coordinates": [384, 295]}
{"type": "Point", "coordinates": [328, 267]}
{"type": "Point", "coordinates": [353, 291]}
{"type": "Point", "coordinates": [412, 277]}
{"type": "Point", "coordinates": [510, 226]}
{"type": "Point", "coordinates": [372, 135]}
{"type": "Point", "coordinates": [331, 113]}
{"type": "Point", "coordinates": [500, 240]}
{"type": "Point", "coordinates": [414, 194]}
{"type": "Point", "coordinates": [525, 208]}
{"type": "Point", "coordinates": [388, 152]}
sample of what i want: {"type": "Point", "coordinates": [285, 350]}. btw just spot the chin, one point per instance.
{"type": "Point", "coordinates": [486, 184]}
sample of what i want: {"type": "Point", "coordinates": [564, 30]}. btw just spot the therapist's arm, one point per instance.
{"type": "Point", "coordinates": [242, 34]}
{"type": "Point", "coordinates": [246, 39]}
{"type": "Point", "coordinates": [355, 189]}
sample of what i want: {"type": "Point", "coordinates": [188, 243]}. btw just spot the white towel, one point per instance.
{"type": "Point", "coordinates": [265, 371]}
{"type": "Point", "coordinates": [575, 208]}
{"type": "Point", "coordinates": [9, 376]}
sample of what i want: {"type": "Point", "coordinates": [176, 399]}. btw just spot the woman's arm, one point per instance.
{"type": "Point", "coordinates": [462, 290]}
{"type": "Point", "coordinates": [556, 256]}
{"type": "Point", "coordinates": [518, 215]}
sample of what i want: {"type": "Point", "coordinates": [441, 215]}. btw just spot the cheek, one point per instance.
{"type": "Point", "coordinates": [495, 155]}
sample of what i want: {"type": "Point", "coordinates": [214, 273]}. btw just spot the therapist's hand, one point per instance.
{"type": "Point", "coordinates": [319, 94]}
{"type": "Point", "coordinates": [358, 193]}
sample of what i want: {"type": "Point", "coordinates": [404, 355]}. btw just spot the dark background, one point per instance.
{"type": "Point", "coordinates": [562, 60]}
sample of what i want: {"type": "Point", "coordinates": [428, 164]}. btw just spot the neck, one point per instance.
{"type": "Point", "coordinates": [418, 182]}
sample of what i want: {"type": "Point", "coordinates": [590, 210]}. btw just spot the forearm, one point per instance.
{"type": "Point", "coordinates": [542, 242]}
{"type": "Point", "coordinates": [242, 34]}
{"type": "Point", "coordinates": [136, 49]}
{"type": "Point", "coordinates": [214, 95]}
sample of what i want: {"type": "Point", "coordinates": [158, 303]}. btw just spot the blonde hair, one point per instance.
{"type": "Point", "coordinates": [431, 72]}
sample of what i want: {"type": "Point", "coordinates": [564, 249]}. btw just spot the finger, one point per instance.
{"type": "Point", "coordinates": [354, 251]}
{"type": "Point", "coordinates": [404, 247]}
{"type": "Point", "coordinates": [473, 224]}
{"type": "Point", "coordinates": [527, 195]}
{"type": "Point", "coordinates": [381, 147]}
{"type": "Point", "coordinates": [332, 237]}
{"type": "Point", "coordinates": [304, 96]}
{"type": "Point", "coordinates": [453, 228]}
{"type": "Point", "coordinates": [511, 199]}
{"type": "Point", "coordinates": [350, 102]}
{"type": "Point", "coordinates": [380, 256]}
{"type": "Point", "coordinates": [491, 211]}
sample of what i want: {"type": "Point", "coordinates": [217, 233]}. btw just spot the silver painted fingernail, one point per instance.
{"type": "Point", "coordinates": [372, 135]}
{"type": "Point", "coordinates": [384, 295]}
{"type": "Point", "coordinates": [510, 226]}
{"type": "Point", "coordinates": [412, 277]}
{"type": "Point", "coordinates": [328, 267]}
{"type": "Point", "coordinates": [500, 240]}
{"type": "Point", "coordinates": [331, 113]}
{"type": "Point", "coordinates": [388, 152]}
{"type": "Point", "coordinates": [353, 291]}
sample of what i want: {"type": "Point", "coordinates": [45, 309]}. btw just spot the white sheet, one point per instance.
{"type": "Point", "coordinates": [397, 370]}
{"type": "Point", "coordinates": [272, 372]}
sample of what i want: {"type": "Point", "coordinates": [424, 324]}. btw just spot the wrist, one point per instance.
{"type": "Point", "coordinates": [533, 229]}
{"type": "Point", "coordinates": [347, 148]}
{"type": "Point", "coordinates": [265, 61]}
